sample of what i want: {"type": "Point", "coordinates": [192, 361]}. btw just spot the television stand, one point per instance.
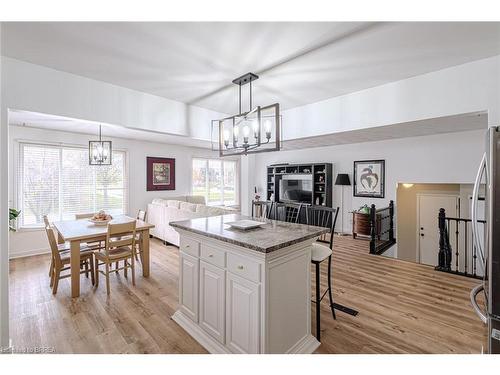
{"type": "Point", "coordinates": [322, 180]}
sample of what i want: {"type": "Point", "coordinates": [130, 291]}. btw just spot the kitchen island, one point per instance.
{"type": "Point", "coordinates": [246, 291]}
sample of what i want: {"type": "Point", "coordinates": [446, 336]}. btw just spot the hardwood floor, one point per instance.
{"type": "Point", "coordinates": [403, 308]}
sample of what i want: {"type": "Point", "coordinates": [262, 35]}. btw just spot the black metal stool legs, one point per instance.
{"type": "Point", "coordinates": [318, 301]}
{"type": "Point", "coordinates": [330, 286]}
{"type": "Point", "coordinates": [319, 297]}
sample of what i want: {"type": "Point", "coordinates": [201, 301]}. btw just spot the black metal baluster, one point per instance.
{"type": "Point", "coordinates": [457, 254]}
{"type": "Point", "coordinates": [465, 248]}
{"type": "Point", "coordinates": [373, 216]}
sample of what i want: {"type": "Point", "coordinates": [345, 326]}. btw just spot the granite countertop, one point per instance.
{"type": "Point", "coordinates": [269, 237]}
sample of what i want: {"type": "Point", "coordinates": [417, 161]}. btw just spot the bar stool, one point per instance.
{"type": "Point", "coordinates": [288, 212]}
{"type": "Point", "coordinates": [322, 217]}
{"type": "Point", "coordinates": [261, 209]}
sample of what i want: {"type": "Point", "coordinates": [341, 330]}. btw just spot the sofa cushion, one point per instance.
{"type": "Point", "coordinates": [202, 209]}
{"type": "Point", "coordinates": [215, 211]}
{"type": "Point", "coordinates": [173, 203]}
{"type": "Point", "coordinates": [198, 199]}
{"type": "Point", "coordinates": [186, 206]}
{"type": "Point", "coordinates": [160, 201]}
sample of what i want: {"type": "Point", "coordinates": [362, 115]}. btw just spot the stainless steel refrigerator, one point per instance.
{"type": "Point", "coordinates": [489, 246]}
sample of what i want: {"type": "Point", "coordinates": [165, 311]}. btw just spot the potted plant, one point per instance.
{"type": "Point", "coordinates": [13, 214]}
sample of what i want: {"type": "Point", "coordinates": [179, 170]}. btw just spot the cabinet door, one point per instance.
{"type": "Point", "coordinates": [243, 315]}
{"type": "Point", "coordinates": [212, 300]}
{"type": "Point", "coordinates": [188, 285]}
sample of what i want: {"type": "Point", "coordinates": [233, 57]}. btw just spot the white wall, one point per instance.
{"type": "Point", "coordinates": [460, 89]}
{"type": "Point", "coordinates": [27, 242]}
{"type": "Point", "coordinates": [444, 158]}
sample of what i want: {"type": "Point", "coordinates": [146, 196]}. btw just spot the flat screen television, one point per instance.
{"type": "Point", "coordinates": [296, 188]}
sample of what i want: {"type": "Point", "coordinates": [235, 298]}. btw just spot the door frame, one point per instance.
{"type": "Point", "coordinates": [417, 229]}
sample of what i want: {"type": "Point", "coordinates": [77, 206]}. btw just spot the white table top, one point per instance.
{"type": "Point", "coordinates": [71, 230]}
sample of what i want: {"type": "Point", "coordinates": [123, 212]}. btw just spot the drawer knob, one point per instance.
{"type": "Point", "coordinates": [240, 267]}
{"type": "Point", "coordinates": [210, 255]}
{"type": "Point", "coordinates": [187, 246]}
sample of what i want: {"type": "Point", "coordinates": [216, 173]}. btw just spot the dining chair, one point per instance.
{"type": "Point", "coordinates": [286, 211]}
{"type": "Point", "coordinates": [95, 244]}
{"type": "Point", "coordinates": [61, 260]}
{"type": "Point", "coordinates": [141, 215]}
{"type": "Point", "coordinates": [322, 217]}
{"type": "Point", "coordinates": [64, 247]}
{"type": "Point", "coordinates": [119, 246]}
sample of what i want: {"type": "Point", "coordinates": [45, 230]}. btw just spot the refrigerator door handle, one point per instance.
{"type": "Point", "coordinates": [473, 295]}
{"type": "Point", "coordinates": [475, 199]}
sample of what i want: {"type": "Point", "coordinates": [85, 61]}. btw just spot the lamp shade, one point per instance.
{"type": "Point", "coordinates": [342, 179]}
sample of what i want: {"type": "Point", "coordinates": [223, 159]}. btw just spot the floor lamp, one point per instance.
{"type": "Point", "coordinates": [342, 180]}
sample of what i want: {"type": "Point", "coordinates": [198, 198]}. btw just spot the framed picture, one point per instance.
{"type": "Point", "coordinates": [369, 178]}
{"type": "Point", "coordinates": [160, 173]}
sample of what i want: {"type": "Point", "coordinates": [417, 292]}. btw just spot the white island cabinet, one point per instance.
{"type": "Point", "coordinates": [246, 291]}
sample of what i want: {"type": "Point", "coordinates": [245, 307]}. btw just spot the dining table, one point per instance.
{"type": "Point", "coordinates": [77, 231]}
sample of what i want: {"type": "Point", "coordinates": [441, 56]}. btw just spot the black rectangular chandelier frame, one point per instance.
{"type": "Point", "coordinates": [232, 148]}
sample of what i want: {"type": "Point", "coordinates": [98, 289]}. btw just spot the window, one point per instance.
{"type": "Point", "coordinates": [216, 180]}
{"type": "Point", "coordinates": [59, 182]}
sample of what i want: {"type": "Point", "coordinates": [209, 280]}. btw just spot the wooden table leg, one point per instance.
{"type": "Point", "coordinates": [145, 253]}
{"type": "Point", "coordinates": [75, 269]}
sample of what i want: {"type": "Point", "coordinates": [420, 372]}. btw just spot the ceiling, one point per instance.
{"type": "Point", "coordinates": [447, 124]}
{"type": "Point", "coordinates": [298, 62]}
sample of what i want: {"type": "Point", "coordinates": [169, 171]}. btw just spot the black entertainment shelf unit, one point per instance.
{"type": "Point", "coordinates": [321, 174]}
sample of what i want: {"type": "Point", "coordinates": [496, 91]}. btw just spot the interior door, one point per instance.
{"type": "Point", "coordinates": [428, 230]}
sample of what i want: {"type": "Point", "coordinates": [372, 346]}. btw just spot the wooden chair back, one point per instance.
{"type": "Point", "coordinates": [83, 216]}
{"type": "Point", "coordinates": [53, 245]}
{"type": "Point", "coordinates": [141, 215]}
{"type": "Point", "coordinates": [120, 235]}
{"type": "Point", "coordinates": [325, 217]}
{"type": "Point", "coordinates": [289, 212]}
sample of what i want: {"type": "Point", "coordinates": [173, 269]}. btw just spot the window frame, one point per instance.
{"type": "Point", "coordinates": [18, 174]}
{"type": "Point", "coordinates": [237, 197]}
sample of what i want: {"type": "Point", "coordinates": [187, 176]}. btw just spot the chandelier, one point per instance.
{"type": "Point", "coordinates": [257, 130]}
{"type": "Point", "coordinates": [100, 151]}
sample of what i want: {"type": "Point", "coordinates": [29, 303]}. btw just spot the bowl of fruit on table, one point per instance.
{"type": "Point", "coordinates": [101, 218]}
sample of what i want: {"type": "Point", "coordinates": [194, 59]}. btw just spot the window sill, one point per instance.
{"type": "Point", "coordinates": [28, 229]}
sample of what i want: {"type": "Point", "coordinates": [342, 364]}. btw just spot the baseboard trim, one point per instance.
{"type": "Point", "coordinates": [205, 340]}
{"type": "Point", "coordinates": [307, 345]}
{"type": "Point", "coordinates": [28, 253]}
{"type": "Point", "coordinates": [7, 350]}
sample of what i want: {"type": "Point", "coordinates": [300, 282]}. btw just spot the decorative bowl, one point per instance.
{"type": "Point", "coordinates": [100, 222]}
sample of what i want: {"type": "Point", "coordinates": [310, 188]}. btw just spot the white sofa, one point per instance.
{"type": "Point", "coordinates": [162, 211]}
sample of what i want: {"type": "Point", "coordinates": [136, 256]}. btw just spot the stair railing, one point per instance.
{"type": "Point", "coordinates": [463, 261]}
{"type": "Point", "coordinates": [381, 228]}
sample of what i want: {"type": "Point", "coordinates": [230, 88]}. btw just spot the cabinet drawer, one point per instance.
{"type": "Point", "coordinates": [243, 267]}
{"type": "Point", "coordinates": [213, 256]}
{"type": "Point", "coordinates": [189, 246]}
